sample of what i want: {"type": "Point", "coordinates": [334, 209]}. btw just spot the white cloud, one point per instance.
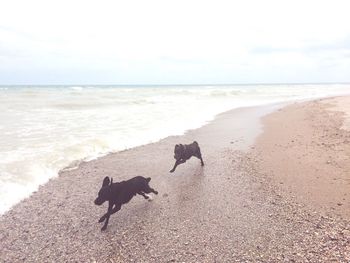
{"type": "Point", "coordinates": [174, 41]}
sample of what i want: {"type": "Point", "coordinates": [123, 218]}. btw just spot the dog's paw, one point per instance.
{"type": "Point", "coordinates": [103, 228]}
{"type": "Point", "coordinates": [171, 171]}
{"type": "Point", "coordinates": [156, 192]}
{"type": "Point", "coordinates": [102, 219]}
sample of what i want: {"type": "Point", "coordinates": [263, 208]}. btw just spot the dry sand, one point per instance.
{"type": "Point", "coordinates": [308, 153]}
{"type": "Point", "coordinates": [232, 209]}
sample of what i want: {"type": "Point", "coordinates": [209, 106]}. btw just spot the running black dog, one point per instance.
{"type": "Point", "coordinates": [183, 152]}
{"type": "Point", "coordinates": [121, 193]}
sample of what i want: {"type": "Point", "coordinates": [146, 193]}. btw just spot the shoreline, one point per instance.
{"type": "Point", "coordinates": [76, 163]}
{"type": "Point", "coordinates": [230, 209]}
{"type": "Point", "coordinates": [64, 150]}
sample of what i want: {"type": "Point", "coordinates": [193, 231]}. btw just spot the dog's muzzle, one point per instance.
{"type": "Point", "coordinates": [98, 201]}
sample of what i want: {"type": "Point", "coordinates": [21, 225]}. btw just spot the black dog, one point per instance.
{"type": "Point", "coordinates": [121, 193]}
{"type": "Point", "coordinates": [183, 152]}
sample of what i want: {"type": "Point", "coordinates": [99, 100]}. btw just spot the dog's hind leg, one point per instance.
{"type": "Point", "coordinates": [199, 156]}
{"type": "Point", "coordinates": [143, 194]}
{"type": "Point", "coordinates": [154, 191]}
{"type": "Point", "coordinates": [148, 190]}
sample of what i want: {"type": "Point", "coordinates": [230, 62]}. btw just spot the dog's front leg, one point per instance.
{"type": "Point", "coordinates": [179, 161]}
{"type": "Point", "coordinates": [110, 205]}
{"type": "Point", "coordinates": [106, 222]}
{"type": "Point", "coordinates": [175, 165]}
{"type": "Point", "coordinates": [109, 213]}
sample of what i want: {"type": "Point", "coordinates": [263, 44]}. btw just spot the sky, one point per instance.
{"type": "Point", "coordinates": [174, 42]}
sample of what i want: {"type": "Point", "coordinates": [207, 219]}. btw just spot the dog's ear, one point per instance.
{"type": "Point", "coordinates": [105, 181]}
{"type": "Point", "coordinates": [111, 181]}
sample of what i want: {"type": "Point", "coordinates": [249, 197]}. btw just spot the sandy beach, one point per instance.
{"type": "Point", "coordinates": [315, 141]}
{"type": "Point", "coordinates": [274, 188]}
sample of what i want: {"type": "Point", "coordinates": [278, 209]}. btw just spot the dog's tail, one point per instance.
{"type": "Point", "coordinates": [148, 179]}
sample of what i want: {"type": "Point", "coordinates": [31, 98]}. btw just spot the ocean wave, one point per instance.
{"type": "Point", "coordinates": [225, 93]}
{"type": "Point", "coordinates": [100, 105]}
{"type": "Point", "coordinates": [76, 88]}
{"type": "Point", "coordinates": [76, 106]}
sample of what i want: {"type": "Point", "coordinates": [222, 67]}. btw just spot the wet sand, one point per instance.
{"type": "Point", "coordinates": [232, 209]}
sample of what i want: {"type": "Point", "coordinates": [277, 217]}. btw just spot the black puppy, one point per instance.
{"type": "Point", "coordinates": [183, 152]}
{"type": "Point", "coordinates": [121, 193]}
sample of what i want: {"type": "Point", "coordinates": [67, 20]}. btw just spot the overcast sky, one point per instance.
{"type": "Point", "coordinates": [174, 42]}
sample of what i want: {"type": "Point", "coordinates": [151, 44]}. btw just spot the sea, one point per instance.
{"type": "Point", "coordinates": [44, 129]}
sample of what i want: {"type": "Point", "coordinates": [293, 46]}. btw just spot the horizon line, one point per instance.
{"type": "Point", "coordinates": [162, 85]}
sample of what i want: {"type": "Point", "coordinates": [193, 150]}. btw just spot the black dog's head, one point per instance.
{"type": "Point", "coordinates": [105, 191]}
{"type": "Point", "coordinates": [178, 151]}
